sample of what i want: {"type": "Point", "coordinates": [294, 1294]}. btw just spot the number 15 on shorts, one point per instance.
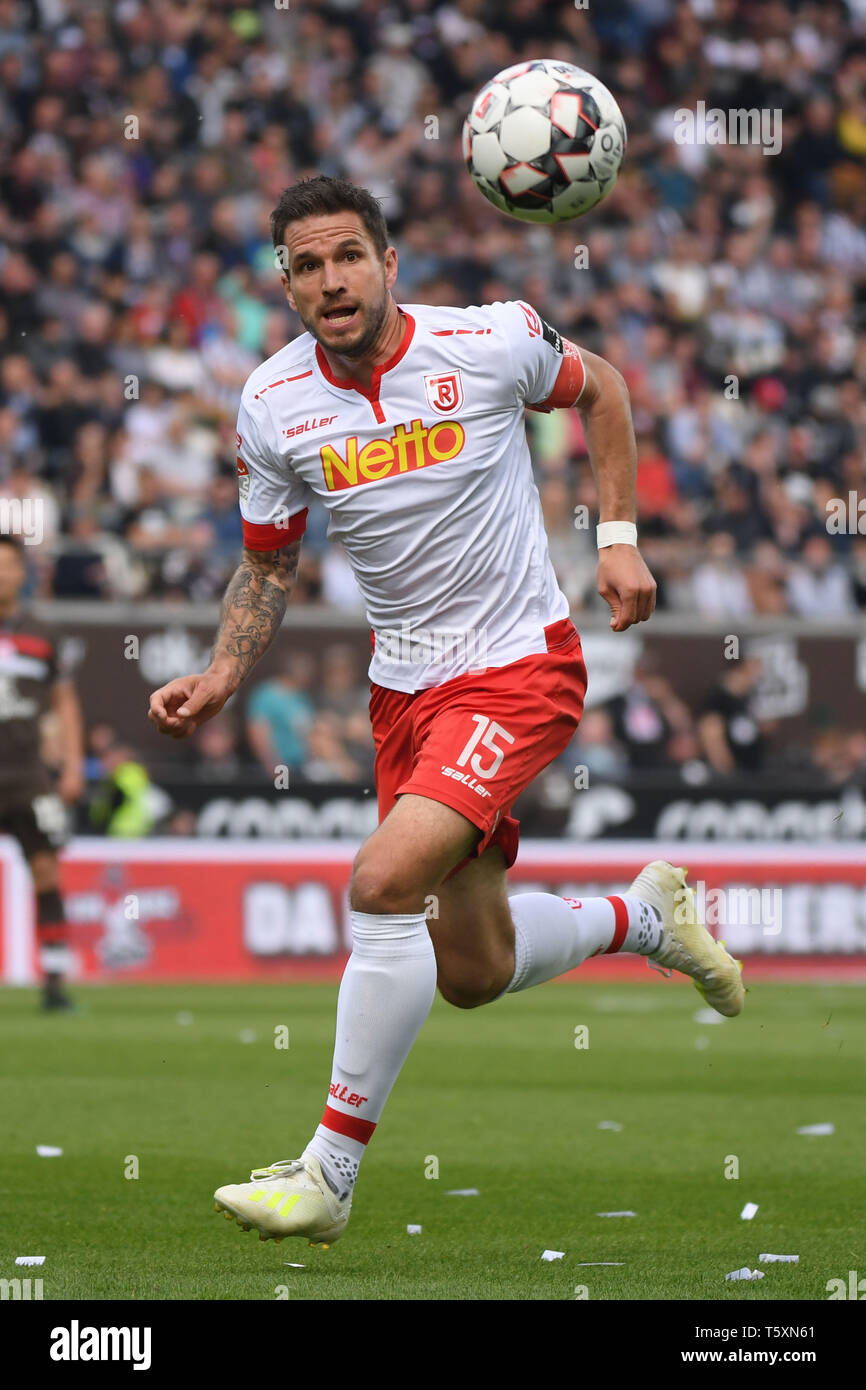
{"type": "Point", "coordinates": [484, 736]}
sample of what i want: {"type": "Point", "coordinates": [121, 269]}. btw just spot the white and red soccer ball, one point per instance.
{"type": "Point", "coordinates": [544, 141]}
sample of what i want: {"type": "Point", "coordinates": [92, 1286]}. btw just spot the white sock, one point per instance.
{"type": "Point", "coordinates": [55, 959]}
{"type": "Point", "coordinates": [553, 935]}
{"type": "Point", "coordinates": [386, 993]}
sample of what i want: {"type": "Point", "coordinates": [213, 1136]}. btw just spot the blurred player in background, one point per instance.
{"type": "Point", "coordinates": [408, 423]}
{"type": "Point", "coordinates": [34, 797]}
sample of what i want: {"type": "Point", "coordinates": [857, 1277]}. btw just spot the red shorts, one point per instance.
{"type": "Point", "coordinates": [476, 742]}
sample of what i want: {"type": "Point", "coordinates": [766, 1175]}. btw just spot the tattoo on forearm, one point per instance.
{"type": "Point", "coordinates": [254, 604]}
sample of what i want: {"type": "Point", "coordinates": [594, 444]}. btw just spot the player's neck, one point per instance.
{"type": "Point", "coordinates": [388, 340]}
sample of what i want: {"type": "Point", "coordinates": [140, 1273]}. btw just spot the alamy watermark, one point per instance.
{"type": "Point", "coordinates": [77, 1343]}
{"type": "Point", "coordinates": [854, 1289]}
{"type": "Point", "coordinates": [20, 1289]}
{"type": "Point", "coordinates": [846, 516]}
{"type": "Point", "coordinates": [730, 907]}
{"type": "Point", "coordinates": [24, 517]}
{"type": "Point", "coordinates": [420, 644]}
{"type": "Point", "coordinates": [736, 126]}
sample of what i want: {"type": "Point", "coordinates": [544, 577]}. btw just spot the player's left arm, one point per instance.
{"type": "Point", "coordinates": [568, 377]}
{"type": "Point", "coordinates": [624, 581]}
{"type": "Point", "coordinates": [67, 710]}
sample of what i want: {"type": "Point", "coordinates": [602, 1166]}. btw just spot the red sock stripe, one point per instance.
{"type": "Point", "coordinates": [620, 916]}
{"type": "Point", "coordinates": [350, 1125]}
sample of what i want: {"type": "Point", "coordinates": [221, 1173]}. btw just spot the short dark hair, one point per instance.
{"type": "Point", "coordinates": [321, 195]}
{"type": "Point", "coordinates": [13, 542]}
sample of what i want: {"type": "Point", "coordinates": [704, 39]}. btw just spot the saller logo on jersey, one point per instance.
{"type": "Point", "coordinates": [409, 447]}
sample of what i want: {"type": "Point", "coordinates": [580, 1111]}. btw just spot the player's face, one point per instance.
{"type": "Point", "coordinates": [337, 282]}
{"type": "Point", "coordinates": [11, 574]}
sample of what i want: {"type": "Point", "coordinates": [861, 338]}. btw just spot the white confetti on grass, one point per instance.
{"type": "Point", "coordinates": [817, 1129]}
{"type": "Point", "coordinates": [413, 1230]}
{"type": "Point", "coordinates": [749, 1211]}
{"type": "Point", "coordinates": [745, 1273]}
{"type": "Point", "coordinates": [600, 1264]}
{"type": "Point", "coordinates": [616, 1213]}
{"type": "Point", "coordinates": [184, 1018]}
{"type": "Point", "coordinates": [48, 1151]}
{"type": "Point", "coordinates": [551, 1255]}
{"type": "Point", "coordinates": [626, 1004]}
{"type": "Point", "coordinates": [291, 1265]}
{"type": "Point", "coordinates": [247, 1035]}
{"type": "Point", "coordinates": [775, 1259]}
{"type": "Point", "coordinates": [30, 1259]}
{"type": "Point", "coordinates": [701, 1043]}
{"type": "Point", "coordinates": [463, 1192]}
{"type": "Point", "coordinates": [610, 1124]}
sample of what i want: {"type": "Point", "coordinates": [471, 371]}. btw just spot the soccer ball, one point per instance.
{"type": "Point", "coordinates": [544, 141]}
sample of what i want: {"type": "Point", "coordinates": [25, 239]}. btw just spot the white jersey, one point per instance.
{"type": "Point", "coordinates": [427, 479]}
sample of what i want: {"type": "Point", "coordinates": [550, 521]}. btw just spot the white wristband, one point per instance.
{"type": "Point", "coordinates": [616, 533]}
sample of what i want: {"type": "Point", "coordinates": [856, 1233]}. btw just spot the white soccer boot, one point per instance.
{"type": "Point", "coordinates": [289, 1198]}
{"type": "Point", "coordinates": [686, 944]}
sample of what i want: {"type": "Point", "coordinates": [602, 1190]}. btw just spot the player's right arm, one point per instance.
{"type": "Point", "coordinates": [274, 518]}
{"type": "Point", "coordinates": [253, 608]}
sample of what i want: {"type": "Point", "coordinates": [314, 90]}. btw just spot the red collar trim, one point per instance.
{"type": "Point", "coordinates": [348, 383]}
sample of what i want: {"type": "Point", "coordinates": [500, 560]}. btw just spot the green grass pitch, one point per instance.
{"type": "Point", "coordinates": [500, 1098]}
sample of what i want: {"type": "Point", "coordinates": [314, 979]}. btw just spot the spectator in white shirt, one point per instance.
{"type": "Point", "coordinates": [719, 585]}
{"type": "Point", "coordinates": [819, 586]}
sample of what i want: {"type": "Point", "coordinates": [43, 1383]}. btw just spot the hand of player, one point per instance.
{"type": "Point", "coordinates": [70, 786]}
{"type": "Point", "coordinates": [177, 709]}
{"type": "Point", "coordinates": [626, 584]}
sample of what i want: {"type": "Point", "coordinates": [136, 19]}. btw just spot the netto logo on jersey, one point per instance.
{"type": "Point", "coordinates": [407, 449]}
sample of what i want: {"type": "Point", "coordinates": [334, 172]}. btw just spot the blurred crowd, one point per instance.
{"type": "Point", "coordinates": [143, 144]}
{"type": "Point", "coordinates": [650, 729]}
{"type": "Point", "coordinates": [307, 725]}
{"type": "Point", "coordinates": [305, 728]}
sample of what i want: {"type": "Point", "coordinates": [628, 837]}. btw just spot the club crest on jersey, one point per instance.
{"type": "Point", "coordinates": [444, 391]}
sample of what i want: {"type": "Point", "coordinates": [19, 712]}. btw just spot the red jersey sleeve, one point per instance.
{"type": "Point", "coordinates": [570, 381]}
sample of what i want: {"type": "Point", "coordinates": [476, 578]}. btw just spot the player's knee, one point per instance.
{"type": "Point", "coordinates": [378, 886]}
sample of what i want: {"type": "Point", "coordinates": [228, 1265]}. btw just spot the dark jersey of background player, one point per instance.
{"type": "Point", "coordinates": [29, 668]}
{"type": "Point", "coordinates": [32, 795]}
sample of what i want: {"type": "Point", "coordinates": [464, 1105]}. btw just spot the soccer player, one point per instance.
{"type": "Point", "coordinates": [408, 423]}
{"type": "Point", "coordinates": [32, 797]}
